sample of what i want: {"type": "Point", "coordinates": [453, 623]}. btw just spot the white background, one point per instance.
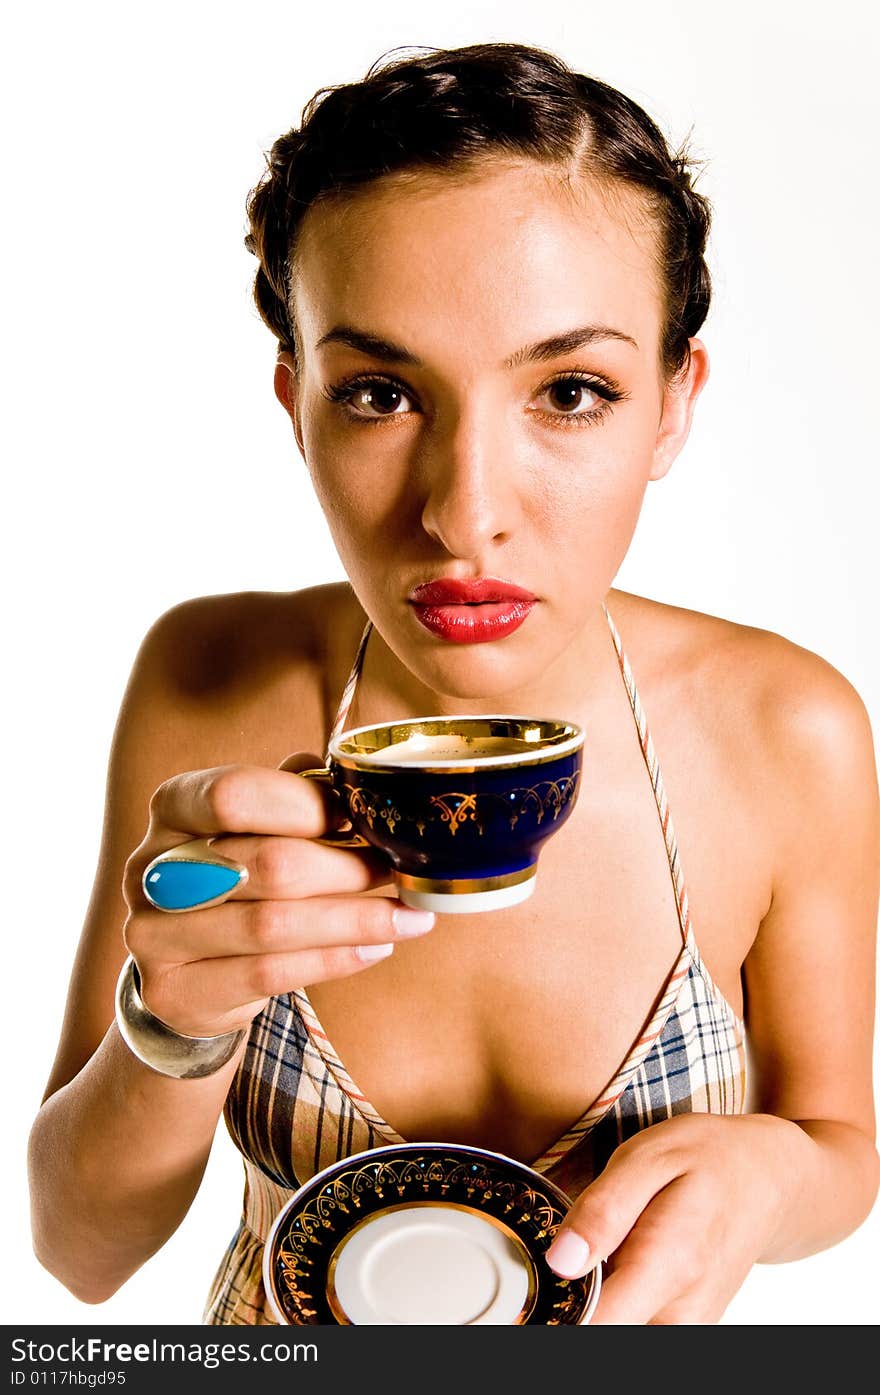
{"type": "Point", "coordinates": [147, 461]}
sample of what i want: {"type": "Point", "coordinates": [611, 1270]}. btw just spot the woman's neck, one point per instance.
{"type": "Point", "coordinates": [574, 685]}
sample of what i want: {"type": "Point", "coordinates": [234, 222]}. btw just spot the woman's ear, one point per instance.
{"type": "Point", "coordinates": [679, 400]}
{"type": "Point", "coordinates": [287, 392]}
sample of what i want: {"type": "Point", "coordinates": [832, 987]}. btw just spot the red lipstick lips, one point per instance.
{"type": "Point", "coordinates": [471, 612]}
{"type": "Point", "coordinates": [450, 591]}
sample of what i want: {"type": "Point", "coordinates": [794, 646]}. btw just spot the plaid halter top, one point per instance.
{"type": "Point", "coordinates": [293, 1109]}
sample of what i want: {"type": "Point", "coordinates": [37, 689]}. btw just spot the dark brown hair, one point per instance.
{"type": "Point", "coordinates": [446, 110]}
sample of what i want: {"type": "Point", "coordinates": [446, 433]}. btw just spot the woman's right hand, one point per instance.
{"type": "Point", "coordinates": [298, 919]}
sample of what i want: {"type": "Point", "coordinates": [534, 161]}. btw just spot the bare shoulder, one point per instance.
{"type": "Point", "coordinates": [790, 691]}
{"type": "Point", "coordinates": [781, 710]}
{"type": "Point", "coordinates": [234, 643]}
{"type": "Point", "coordinates": [245, 677]}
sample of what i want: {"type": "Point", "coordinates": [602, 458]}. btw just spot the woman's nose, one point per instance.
{"type": "Point", "coordinates": [470, 501]}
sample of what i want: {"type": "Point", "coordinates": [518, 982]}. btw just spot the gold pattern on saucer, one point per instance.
{"type": "Point", "coordinates": [522, 1253]}
{"type": "Point", "coordinates": [302, 1275]}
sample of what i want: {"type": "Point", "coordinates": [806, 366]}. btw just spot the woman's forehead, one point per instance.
{"type": "Point", "coordinates": [500, 255]}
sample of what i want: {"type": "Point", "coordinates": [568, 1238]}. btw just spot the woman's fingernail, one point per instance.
{"type": "Point", "coordinates": [373, 952]}
{"type": "Point", "coordinates": [412, 922]}
{"type": "Point", "coordinates": [569, 1255]}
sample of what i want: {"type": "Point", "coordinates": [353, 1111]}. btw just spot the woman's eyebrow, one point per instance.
{"type": "Point", "coordinates": [565, 343]}
{"type": "Point", "coordinates": [368, 344]}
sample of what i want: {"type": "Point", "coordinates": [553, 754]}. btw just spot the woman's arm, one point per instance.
{"type": "Point", "coordinates": [117, 1152]}
{"type": "Point", "coordinates": [116, 1157]}
{"type": "Point", "coordinates": [685, 1208]}
{"type": "Point", "coordinates": [810, 976]}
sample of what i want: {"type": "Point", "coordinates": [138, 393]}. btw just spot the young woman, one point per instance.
{"type": "Point", "coordinates": [485, 273]}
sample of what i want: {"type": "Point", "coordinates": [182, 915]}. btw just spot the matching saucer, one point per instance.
{"type": "Point", "coordinates": [423, 1234]}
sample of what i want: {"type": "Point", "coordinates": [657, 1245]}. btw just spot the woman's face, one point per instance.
{"type": "Point", "coordinates": [448, 437]}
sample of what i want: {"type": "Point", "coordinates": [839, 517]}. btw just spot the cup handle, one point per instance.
{"type": "Point", "coordinates": [343, 837]}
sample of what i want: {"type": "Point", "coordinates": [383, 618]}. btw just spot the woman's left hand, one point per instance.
{"type": "Point", "coordinates": [681, 1213]}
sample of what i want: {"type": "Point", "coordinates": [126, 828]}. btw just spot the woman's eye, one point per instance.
{"type": "Point", "coordinates": [372, 398]}
{"type": "Point", "coordinates": [572, 397]}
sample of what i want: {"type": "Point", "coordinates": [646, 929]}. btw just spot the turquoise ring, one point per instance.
{"type": "Point", "coordinates": [191, 877]}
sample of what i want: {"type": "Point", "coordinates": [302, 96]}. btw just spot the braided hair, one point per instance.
{"type": "Point", "coordinates": [448, 109]}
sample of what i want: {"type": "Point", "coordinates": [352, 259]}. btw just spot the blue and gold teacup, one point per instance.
{"type": "Point", "coordinates": [459, 805]}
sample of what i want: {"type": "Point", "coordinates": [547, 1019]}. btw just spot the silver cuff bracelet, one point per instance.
{"type": "Point", "coordinates": [158, 1045]}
